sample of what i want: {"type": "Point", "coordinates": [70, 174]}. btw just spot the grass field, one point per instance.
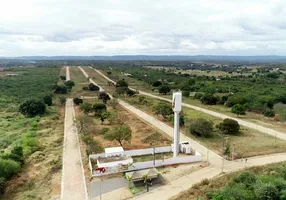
{"type": "Point", "coordinates": [248, 143]}
{"type": "Point", "coordinates": [40, 175]}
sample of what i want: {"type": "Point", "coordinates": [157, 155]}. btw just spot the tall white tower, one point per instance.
{"type": "Point", "coordinates": [177, 107]}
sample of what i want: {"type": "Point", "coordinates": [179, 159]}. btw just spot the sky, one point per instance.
{"type": "Point", "coordinates": [142, 27]}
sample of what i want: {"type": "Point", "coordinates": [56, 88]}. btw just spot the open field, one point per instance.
{"type": "Point", "coordinates": [248, 143]}
{"type": "Point", "coordinates": [40, 137]}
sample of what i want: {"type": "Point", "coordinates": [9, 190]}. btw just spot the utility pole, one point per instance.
{"type": "Point", "coordinates": [208, 154]}
{"type": "Point", "coordinates": [233, 152]}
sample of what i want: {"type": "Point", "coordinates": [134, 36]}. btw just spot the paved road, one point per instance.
{"type": "Point", "coordinates": [73, 181]}
{"type": "Point", "coordinates": [90, 80]}
{"type": "Point", "coordinates": [281, 135]}
{"type": "Point", "coordinates": [68, 73]}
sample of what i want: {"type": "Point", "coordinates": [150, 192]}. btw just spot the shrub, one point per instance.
{"type": "Point", "coordinates": [186, 93]}
{"type": "Point", "coordinates": [2, 185]}
{"type": "Point", "coordinates": [48, 100]}
{"type": "Point", "coordinates": [61, 89]}
{"type": "Point", "coordinates": [63, 78]}
{"type": "Point", "coordinates": [163, 109]}
{"type": "Point", "coordinates": [164, 89]}
{"type": "Point", "coordinates": [120, 134]}
{"type": "Point", "coordinates": [85, 88]}
{"type": "Point", "coordinates": [199, 95]}
{"type": "Point", "coordinates": [32, 108]}
{"type": "Point", "coordinates": [157, 84]}
{"type": "Point", "coordinates": [104, 131]}
{"type": "Point", "coordinates": [209, 99]}
{"type": "Point", "coordinates": [269, 113]}
{"type": "Point", "coordinates": [238, 109]}
{"type": "Point", "coordinates": [86, 107]}
{"type": "Point", "coordinates": [62, 100]}
{"type": "Point", "coordinates": [229, 126]}
{"type": "Point", "coordinates": [246, 178]}
{"type": "Point", "coordinates": [8, 168]}
{"type": "Point", "coordinates": [93, 87]}
{"type": "Point", "coordinates": [280, 109]}
{"type": "Point", "coordinates": [69, 84]}
{"type": "Point", "coordinates": [130, 92]}
{"type": "Point", "coordinates": [99, 107]}
{"type": "Point", "coordinates": [201, 127]}
{"type": "Point", "coordinates": [122, 83]}
{"type": "Point", "coordinates": [104, 97]}
{"type": "Point", "coordinates": [77, 101]}
{"type": "Point", "coordinates": [266, 192]}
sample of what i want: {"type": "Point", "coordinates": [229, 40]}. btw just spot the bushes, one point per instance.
{"type": "Point", "coordinates": [93, 87]}
{"type": "Point", "coordinates": [163, 109]}
{"type": "Point", "coordinates": [48, 100]}
{"type": "Point", "coordinates": [186, 93]}
{"type": "Point", "coordinates": [164, 89]}
{"type": "Point", "coordinates": [61, 89]}
{"type": "Point", "coordinates": [246, 178]}
{"type": "Point", "coordinates": [267, 192]}
{"type": "Point", "coordinates": [280, 109]}
{"type": "Point", "coordinates": [229, 126]}
{"type": "Point", "coordinates": [32, 108]}
{"type": "Point", "coordinates": [77, 101]}
{"type": "Point", "coordinates": [201, 127]}
{"type": "Point", "coordinates": [104, 97]}
{"type": "Point", "coordinates": [269, 113]}
{"type": "Point", "coordinates": [238, 109]}
{"type": "Point", "coordinates": [69, 84]}
{"type": "Point", "coordinates": [92, 146]}
{"type": "Point", "coordinates": [209, 99]}
{"type": "Point", "coordinates": [122, 83]}
{"type": "Point", "coordinates": [8, 168]}
{"type": "Point", "coordinates": [157, 84]}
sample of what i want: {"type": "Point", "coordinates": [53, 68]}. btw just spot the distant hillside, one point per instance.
{"type": "Point", "coordinates": [256, 59]}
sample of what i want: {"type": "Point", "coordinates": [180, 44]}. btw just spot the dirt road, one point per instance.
{"type": "Point", "coordinates": [90, 80]}
{"type": "Point", "coordinates": [73, 180]}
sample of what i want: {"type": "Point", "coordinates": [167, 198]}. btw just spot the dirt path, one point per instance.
{"type": "Point", "coordinates": [73, 180]}
{"type": "Point", "coordinates": [90, 80]}
{"type": "Point", "coordinates": [68, 77]}
{"type": "Point", "coordinates": [281, 135]}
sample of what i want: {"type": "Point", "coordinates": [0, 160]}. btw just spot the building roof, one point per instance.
{"type": "Point", "coordinates": [113, 150]}
{"type": "Point", "coordinates": [139, 175]}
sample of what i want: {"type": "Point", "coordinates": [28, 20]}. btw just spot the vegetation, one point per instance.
{"type": "Point", "coordinates": [104, 97]}
{"type": "Point", "coordinates": [201, 127]}
{"type": "Point", "coordinates": [93, 87]}
{"type": "Point", "coordinates": [163, 109]}
{"type": "Point", "coordinates": [77, 101]}
{"type": "Point", "coordinates": [48, 100]}
{"type": "Point", "coordinates": [120, 134]}
{"type": "Point", "coordinates": [32, 108]}
{"type": "Point", "coordinates": [164, 89]}
{"type": "Point", "coordinates": [229, 126]}
{"type": "Point", "coordinates": [61, 89]}
{"type": "Point", "coordinates": [238, 109]}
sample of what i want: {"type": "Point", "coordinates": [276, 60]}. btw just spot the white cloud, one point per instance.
{"type": "Point", "coordinates": [109, 27]}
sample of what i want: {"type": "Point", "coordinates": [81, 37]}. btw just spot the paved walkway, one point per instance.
{"type": "Point", "coordinates": [68, 77]}
{"type": "Point", "coordinates": [73, 180]}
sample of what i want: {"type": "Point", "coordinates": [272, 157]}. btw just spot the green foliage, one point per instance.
{"type": "Point", "coordinates": [86, 108]}
{"type": "Point", "coordinates": [104, 131]}
{"type": "Point", "coordinates": [157, 84]}
{"type": "Point", "coordinates": [92, 146]}
{"type": "Point", "coordinates": [102, 115]}
{"type": "Point", "coordinates": [280, 109]}
{"type": "Point", "coordinates": [209, 99]}
{"type": "Point", "coordinates": [32, 108]}
{"type": "Point", "coordinates": [164, 89]}
{"type": "Point", "coordinates": [238, 109]}
{"type": "Point", "coordinates": [269, 113]}
{"type": "Point", "coordinates": [201, 127]}
{"type": "Point", "coordinates": [61, 89]}
{"type": "Point", "coordinates": [48, 100]}
{"type": "Point", "coordinates": [121, 90]}
{"type": "Point", "coordinates": [120, 134]}
{"type": "Point", "coordinates": [198, 95]}
{"type": "Point", "coordinates": [93, 87]}
{"type": "Point", "coordinates": [122, 83]}
{"type": "Point", "coordinates": [113, 103]}
{"type": "Point", "coordinates": [99, 107]}
{"type": "Point", "coordinates": [8, 168]}
{"type": "Point", "coordinates": [63, 78]}
{"type": "Point", "coordinates": [248, 179]}
{"type": "Point", "coordinates": [2, 185]}
{"type": "Point", "coordinates": [229, 126]}
{"type": "Point", "coordinates": [62, 100]}
{"type": "Point", "coordinates": [130, 92]}
{"type": "Point", "coordinates": [77, 101]}
{"type": "Point", "coordinates": [69, 84]}
{"type": "Point", "coordinates": [163, 109]}
{"type": "Point", "coordinates": [266, 192]}
{"type": "Point", "coordinates": [104, 97]}
{"type": "Point", "coordinates": [186, 93]}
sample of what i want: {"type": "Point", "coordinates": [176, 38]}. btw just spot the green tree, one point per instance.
{"type": "Point", "coordinates": [238, 109]}
{"type": "Point", "coordinates": [229, 126]}
{"type": "Point", "coordinates": [267, 192]}
{"type": "Point", "coordinates": [32, 108]}
{"type": "Point", "coordinates": [8, 168]}
{"type": "Point", "coordinates": [280, 109]}
{"type": "Point", "coordinates": [48, 100]}
{"type": "Point", "coordinates": [61, 89]}
{"type": "Point", "coordinates": [164, 89]}
{"type": "Point", "coordinates": [201, 127]}
{"type": "Point", "coordinates": [93, 87]}
{"type": "Point", "coordinates": [209, 99]}
{"type": "Point", "coordinates": [186, 93]}
{"type": "Point", "coordinates": [69, 83]}
{"type": "Point", "coordinates": [102, 115]}
{"type": "Point", "coordinates": [163, 109]}
{"type": "Point", "coordinates": [157, 84]}
{"type": "Point", "coordinates": [99, 107]}
{"type": "Point", "coordinates": [120, 134]}
{"type": "Point", "coordinates": [113, 103]}
{"type": "Point", "coordinates": [130, 92]}
{"type": "Point", "coordinates": [86, 108]}
{"type": "Point", "coordinates": [77, 101]}
{"type": "Point", "coordinates": [62, 100]}
{"type": "Point", "coordinates": [122, 83]}
{"type": "Point", "coordinates": [246, 178]}
{"type": "Point", "coordinates": [104, 97]}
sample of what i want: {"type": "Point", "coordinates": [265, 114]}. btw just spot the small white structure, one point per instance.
{"type": "Point", "coordinates": [114, 151]}
{"type": "Point", "coordinates": [114, 161]}
{"type": "Point", "coordinates": [185, 147]}
{"type": "Point", "coordinates": [177, 107]}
